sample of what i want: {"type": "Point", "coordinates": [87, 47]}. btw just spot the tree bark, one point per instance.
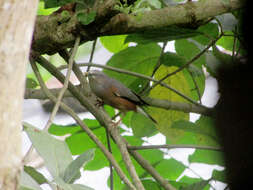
{"type": "Point", "coordinates": [16, 29]}
{"type": "Point", "coordinates": [53, 33]}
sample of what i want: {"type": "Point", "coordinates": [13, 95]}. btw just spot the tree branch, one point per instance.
{"type": "Point", "coordinates": [100, 115]}
{"type": "Point", "coordinates": [53, 33]}
{"type": "Point", "coordinates": [151, 170]}
{"type": "Point", "coordinates": [168, 146]}
{"type": "Point", "coordinates": [165, 104]}
{"type": "Point", "coordinates": [89, 132]}
{"type": "Point", "coordinates": [65, 84]}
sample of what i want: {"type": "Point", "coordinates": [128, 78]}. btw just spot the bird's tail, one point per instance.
{"type": "Point", "coordinates": [143, 112]}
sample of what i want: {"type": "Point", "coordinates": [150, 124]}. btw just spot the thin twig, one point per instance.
{"type": "Point", "coordinates": [155, 69]}
{"type": "Point", "coordinates": [108, 155]}
{"type": "Point", "coordinates": [79, 74]}
{"type": "Point", "coordinates": [110, 150]}
{"type": "Point", "coordinates": [151, 170]}
{"type": "Point", "coordinates": [195, 84]}
{"type": "Point", "coordinates": [59, 98]}
{"type": "Point", "coordinates": [65, 84]}
{"type": "Point", "coordinates": [92, 53]}
{"type": "Point", "coordinates": [168, 146]}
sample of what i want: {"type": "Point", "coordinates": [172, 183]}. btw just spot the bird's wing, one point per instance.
{"type": "Point", "coordinates": [122, 91]}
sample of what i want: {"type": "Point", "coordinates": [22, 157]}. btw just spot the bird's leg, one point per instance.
{"type": "Point", "coordinates": [118, 122]}
{"type": "Point", "coordinates": [99, 102]}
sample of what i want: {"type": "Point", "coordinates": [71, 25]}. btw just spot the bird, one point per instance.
{"type": "Point", "coordinates": [116, 94]}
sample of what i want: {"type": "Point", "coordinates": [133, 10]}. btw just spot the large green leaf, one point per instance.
{"type": "Point", "coordinates": [223, 57]}
{"type": "Point", "coordinates": [210, 31]}
{"type": "Point", "coordinates": [42, 11]}
{"type": "Point", "coordinates": [72, 171]}
{"type": "Point", "coordinates": [61, 130]}
{"type": "Point", "coordinates": [142, 126]}
{"type": "Point", "coordinates": [150, 185]}
{"type": "Point", "coordinates": [201, 185]}
{"type": "Point", "coordinates": [140, 59]}
{"type": "Point", "coordinates": [200, 133]}
{"type": "Point", "coordinates": [190, 74]}
{"type": "Point", "coordinates": [37, 176]}
{"type": "Point", "coordinates": [54, 152]}
{"type": "Point", "coordinates": [114, 44]}
{"type": "Point", "coordinates": [80, 142]}
{"type": "Point", "coordinates": [227, 42]}
{"type": "Point", "coordinates": [28, 183]}
{"type": "Point", "coordinates": [207, 157]}
{"type": "Point", "coordinates": [170, 169]}
{"type": "Point", "coordinates": [188, 49]}
{"type": "Point", "coordinates": [163, 117]}
{"type": "Point", "coordinates": [66, 186]}
{"type": "Point", "coordinates": [220, 175]}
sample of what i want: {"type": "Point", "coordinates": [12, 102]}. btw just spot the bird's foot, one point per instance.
{"type": "Point", "coordinates": [99, 103]}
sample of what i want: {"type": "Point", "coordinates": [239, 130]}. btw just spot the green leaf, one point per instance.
{"type": "Point", "coordinates": [185, 181]}
{"type": "Point", "coordinates": [153, 156]}
{"type": "Point", "coordinates": [227, 42]}
{"type": "Point", "coordinates": [61, 130]}
{"type": "Point", "coordinates": [172, 59]}
{"type": "Point", "coordinates": [28, 183]}
{"type": "Point", "coordinates": [86, 18]}
{"type": "Point", "coordinates": [197, 186]}
{"type": "Point", "coordinates": [137, 59]}
{"type": "Point", "coordinates": [37, 176]}
{"type": "Point", "coordinates": [203, 135]}
{"type": "Point", "coordinates": [142, 126]}
{"type": "Point", "coordinates": [56, 3]}
{"type": "Point", "coordinates": [161, 35]}
{"type": "Point", "coordinates": [207, 157]}
{"type": "Point", "coordinates": [59, 181]}
{"type": "Point", "coordinates": [114, 44]}
{"type": "Point", "coordinates": [170, 169]}
{"type": "Point", "coordinates": [72, 172]}
{"type": "Point", "coordinates": [188, 49]}
{"type": "Point", "coordinates": [150, 184]}
{"type": "Point", "coordinates": [80, 142]}
{"type": "Point", "coordinates": [202, 132]}
{"type": "Point", "coordinates": [42, 11]}
{"type": "Point", "coordinates": [31, 83]}
{"type": "Point", "coordinates": [220, 175]}
{"type": "Point", "coordinates": [163, 117]}
{"type": "Point", "coordinates": [222, 57]}
{"type": "Point", "coordinates": [210, 29]}
{"type": "Point", "coordinates": [54, 152]}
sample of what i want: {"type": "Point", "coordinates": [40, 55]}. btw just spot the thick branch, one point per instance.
{"type": "Point", "coordinates": [54, 33]}
{"type": "Point", "coordinates": [165, 104]}
{"type": "Point", "coordinates": [169, 146]}
{"type": "Point", "coordinates": [100, 115]}
{"type": "Point", "coordinates": [85, 128]}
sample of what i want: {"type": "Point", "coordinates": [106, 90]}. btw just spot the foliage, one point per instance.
{"type": "Point", "coordinates": [145, 57]}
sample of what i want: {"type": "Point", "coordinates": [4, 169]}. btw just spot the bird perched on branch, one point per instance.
{"type": "Point", "coordinates": [116, 94]}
